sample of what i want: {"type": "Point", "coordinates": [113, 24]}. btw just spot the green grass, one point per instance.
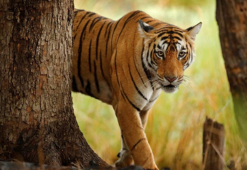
{"type": "Point", "coordinates": [174, 129]}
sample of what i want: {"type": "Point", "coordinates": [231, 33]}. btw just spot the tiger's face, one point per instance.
{"type": "Point", "coordinates": [167, 53]}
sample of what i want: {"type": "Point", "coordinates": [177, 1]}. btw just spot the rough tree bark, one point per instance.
{"type": "Point", "coordinates": [213, 145]}
{"type": "Point", "coordinates": [37, 123]}
{"type": "Point", "coordinates": [232, 20]}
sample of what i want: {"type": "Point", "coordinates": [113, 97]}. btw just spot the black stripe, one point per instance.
{"type": "Point", "coordinates": [120, 86]}
{"type": "Point", "coordinates": [156, 24]}
{"type": "Point", "coordinates": [97, 40]}
{"type": "Point", "coordinates": [82, 20]}
{"type": "Point", "coordinates": [145, 69]}
{"type": "Point", "coordinates": [74, 85]}
{"type": "Point", "coordinates": [148, 56]}
{"type": "Point", "coordinates": [161, 30]}
{"type": "Point", "coordinates": [140, 93]}
{"type": "Point", "coordinates": [107, 40]}
{"type": "Point", "coordinates": [165, 37]}
{"type": "Point", "coordinates": [187, 49]}
{"type": "Point", "coordinates": [158, 88]}
{"type": "Point", "coordinates": [92, 13]}
{"type": "Point", "coordinates": [152, 56]}
{"type": "Point", "coordinates": [88, 88]}
{"type": "Point", "coordinates": [126, 21]}
{"type": "Point", "coordinates": [150, 101]}
{"type": "Point", "coordinates": [137, 143]}
{"type": "Point", "coordinates": [153, 60]}
{"type": "Point", "coordinates": [183, 48]}
{"type": "Point", "coordinates": [101, 69]}
{"type": "Point", "coordinates": [142, 19]}
{"type": "Point", "coordinates": [190, 46]}
{"type": "Point", "coordinates": [137, 16]}
{"type": "Point", "coordinates": [89, 56]}
{"type": "Point", "coordinates": [115, 64]}
{"type": "Point", "coordinates": [138, 72]}
{"type": "Point", "coordinates": [149, 21]}
{"type": "Point", "coordinates": [132, 104]}
{"type": "Point", "coordinates": [178, 31]}
{"type": "Point", "coordinates": [165, 29]}
{"type": "Point", "coordinates": [177, 38]}
{"type": "Point", "coordinates": [172, 32]}
{"type": "Point", "coordinates": [160, 34]}
{"type": "Point", "coordinates": [159, 47]}
{"type": "Point", "coordinates": [154, 46]}
{"type": "Point", "coordinates": [114, 32]}
{"type": "Point", "coordinates": [115, 27]}
{"type": "Point", "coordinates": [95, 20]}
{"type": "Point", "coordinates": [106, 30]}
{"type": "Point", "coordinates": [76, 12]}
{"type": "Point", "coordinates": [188, 58]}
{"type": "Point", "coordinates": [96, 78]}
{"type": "Point", "coordinates": [166, 42]}
{"type": "Point", "coordinates": [79, 53]}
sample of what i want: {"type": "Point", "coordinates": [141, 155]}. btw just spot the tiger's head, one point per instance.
{"type": "Point", "coordinates": [167, 52]}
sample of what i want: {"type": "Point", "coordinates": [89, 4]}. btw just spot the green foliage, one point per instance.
{"type": "Point", "coordinates": [175, 124]}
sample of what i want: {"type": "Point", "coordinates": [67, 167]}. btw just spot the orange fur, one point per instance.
{"type": "Point", "coordinates": [126, 63]}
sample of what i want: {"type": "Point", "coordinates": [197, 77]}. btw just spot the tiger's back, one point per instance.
{"type": "Point", "coordinates": [92, 55]}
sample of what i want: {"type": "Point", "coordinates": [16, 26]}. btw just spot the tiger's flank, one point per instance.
{"type": "Point", "coordinates": [127, 63]}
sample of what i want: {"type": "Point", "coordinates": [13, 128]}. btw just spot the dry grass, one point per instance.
{"type": "Point", "coordinates": [174, 128]}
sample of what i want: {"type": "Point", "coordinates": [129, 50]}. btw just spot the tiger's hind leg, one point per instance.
{"type": "Point", "coordinates": [125, 157]}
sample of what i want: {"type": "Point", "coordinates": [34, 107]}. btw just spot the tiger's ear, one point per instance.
{"type": "Point", "coordinates": [194, 30]}
{"type": "Point", "coordinates": [144, 29]}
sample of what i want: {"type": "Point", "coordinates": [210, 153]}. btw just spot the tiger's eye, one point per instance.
{"type": "Point", "coordinates": [181, 54]}
{"type": "Point", "coordinates": [159, 54]}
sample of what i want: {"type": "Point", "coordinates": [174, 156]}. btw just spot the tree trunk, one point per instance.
{"type": "Point", "coordinates": [37, 123]}
{"type": "Point", "coordinates": [232, 20]}
{"type": "Point", "coordinates": [213, 145]}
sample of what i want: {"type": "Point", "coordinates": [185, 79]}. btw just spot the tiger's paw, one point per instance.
{"type": "Point", "coordinates": [125, 159]}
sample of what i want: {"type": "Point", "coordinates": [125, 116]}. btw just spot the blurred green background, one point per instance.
{"type": "Point", "coordinates": [174, 129]}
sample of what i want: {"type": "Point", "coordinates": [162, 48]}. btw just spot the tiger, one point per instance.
{"type": "Point", "coordinates": [126, 64]}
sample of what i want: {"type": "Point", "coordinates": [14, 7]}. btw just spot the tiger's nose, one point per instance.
{"type": "Point", "coordinates": [171, 79]}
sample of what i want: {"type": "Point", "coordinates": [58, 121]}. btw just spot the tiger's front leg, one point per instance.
{"type": "Point", "coordinates": [133, 133]}
{"type": "Point", "coordinates": [125, 157]}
